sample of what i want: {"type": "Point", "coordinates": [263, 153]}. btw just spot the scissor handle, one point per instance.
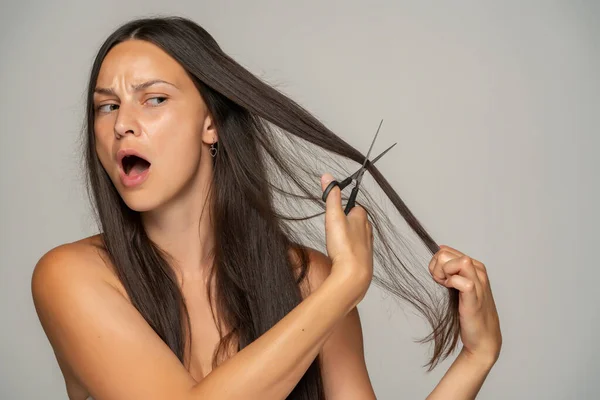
{"type": "Point", "coordinates": [333, 183]}
{"type": "Point", "coordinates": [351, 200]}
{"type": "Point", "coordinates": [328, 189]}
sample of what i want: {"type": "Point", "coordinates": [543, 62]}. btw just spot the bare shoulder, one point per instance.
{"type": "Point", "coordinates": [77, 270]}
{"type": "Point", "coordinates": [78, 262]}
{"type": "Point", "coordinates": [103, 345]}
{"type": "Point", "coordinates": [319, 268]}
{"type": "Point", "coordinates": [78, 266]}
{"type": "Point", "coordinates": [89, 250]}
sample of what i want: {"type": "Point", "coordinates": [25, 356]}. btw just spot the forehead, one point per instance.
{"type": "Point", "coordinates": [135, 60]}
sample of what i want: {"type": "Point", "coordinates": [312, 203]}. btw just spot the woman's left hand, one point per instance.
{"type": "Point", "coordinates": [479, 322]}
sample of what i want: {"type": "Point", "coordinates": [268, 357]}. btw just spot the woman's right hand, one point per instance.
{"type": "Point", "coordinates": [349, 240]}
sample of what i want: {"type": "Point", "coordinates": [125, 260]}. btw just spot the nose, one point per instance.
{"type": "Point", "coordinates": [126, 122]}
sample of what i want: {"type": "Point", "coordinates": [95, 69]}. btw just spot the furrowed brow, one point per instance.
{"type": "Point", "coordinates": [135, 88]}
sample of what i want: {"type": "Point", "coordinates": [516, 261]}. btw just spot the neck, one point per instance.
{"type": "Point", "coordinates": [183, 228]}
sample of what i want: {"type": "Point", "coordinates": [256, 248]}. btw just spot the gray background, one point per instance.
{"type": "Point", "coordinates": [495, 107]}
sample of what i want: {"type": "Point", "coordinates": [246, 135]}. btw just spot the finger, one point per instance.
{"type": "Point", "coordinates": [460, 254]}
{"type": "Point", "coordinates": [451, 249]}
{"type": "Point", "coordinates": [432, 265]}
{"type": "Point", "coordinates": [437, 263]}
{"type": "Point", "coordinates": [358, 222]}
{"type": "Point", "coordinates": [436, 272]}
{"type": "Point", "coordinates": [462, 266]}
{"type": "Point", "coordinates": [466, 287]}
{"type": "Point", "coordinates": [480, 268]}
{"type": "Point", "coordinates": [333, 202]}
{"type": "Point", "coordinates": [359, 215]}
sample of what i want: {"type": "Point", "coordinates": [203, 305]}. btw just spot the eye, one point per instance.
{"type": "Point", "coordinates": [157, 98]}
{"type": "Point", "coordinates": [99, 108]}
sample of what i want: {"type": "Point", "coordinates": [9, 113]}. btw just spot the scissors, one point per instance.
{"type": "Point", "coordinates": [357, 176]}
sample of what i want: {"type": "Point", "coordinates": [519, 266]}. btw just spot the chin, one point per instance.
{"type": "Point", "coordinates": [139, 198]}
{"type": "Point", "coordinates": [140, 201]}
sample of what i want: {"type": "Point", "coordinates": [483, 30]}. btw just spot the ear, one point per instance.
{"type": "Point", "coordinates": [209, 130]}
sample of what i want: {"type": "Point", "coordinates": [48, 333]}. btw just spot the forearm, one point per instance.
{"type": "Point", "coordinates": [463, 380]}
{"type": "Point", "coordinates": [271, 366]}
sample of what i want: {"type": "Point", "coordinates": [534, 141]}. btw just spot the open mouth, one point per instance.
{"type": "Point", "coordinates": [134, 165]}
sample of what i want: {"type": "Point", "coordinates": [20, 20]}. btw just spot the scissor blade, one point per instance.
{"type": "Point", "coordinates": [361, 170]}
{"type": "Point", "coordinates": [381, 155]}
{"type": "Point", "coordinates": [372, 143]}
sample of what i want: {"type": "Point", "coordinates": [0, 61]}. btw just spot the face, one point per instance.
{"type": "Point", "coordinates": [151, 140]}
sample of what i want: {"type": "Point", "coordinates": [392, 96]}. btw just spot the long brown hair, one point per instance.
{"type": "Point", "coordinates": [267, 144]}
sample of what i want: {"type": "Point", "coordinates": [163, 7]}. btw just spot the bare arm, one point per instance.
{"type": "Point", "coordinates": [463, 380]}
{"type": "Point", "coordinates": [479, 324]}
{"type": "Point", "coordinates": [272, 365]}
{"type": "Point", "coordinates": [343, 367]}
{"type": "Point", "coordinates": [115, 354]}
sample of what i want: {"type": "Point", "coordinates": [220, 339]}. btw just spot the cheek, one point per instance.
{"type": "Point", "coordinates": [177, 151]}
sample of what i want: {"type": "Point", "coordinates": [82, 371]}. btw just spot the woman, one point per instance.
{"type": "Point", "coordinates": [195, 288]}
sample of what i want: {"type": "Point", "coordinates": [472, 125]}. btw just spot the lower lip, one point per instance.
{"type": "Point", "coordinates": [133, 181]}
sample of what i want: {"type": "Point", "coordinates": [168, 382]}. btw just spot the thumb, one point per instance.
{"type": "Point", "coordinates": [334, 198]}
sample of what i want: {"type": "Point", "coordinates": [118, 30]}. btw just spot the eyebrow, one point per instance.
{"type": "Point", "coordinates": [135, 88]}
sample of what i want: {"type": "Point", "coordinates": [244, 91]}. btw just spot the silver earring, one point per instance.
{"type": "Point", "coordinates": [213, 150]}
